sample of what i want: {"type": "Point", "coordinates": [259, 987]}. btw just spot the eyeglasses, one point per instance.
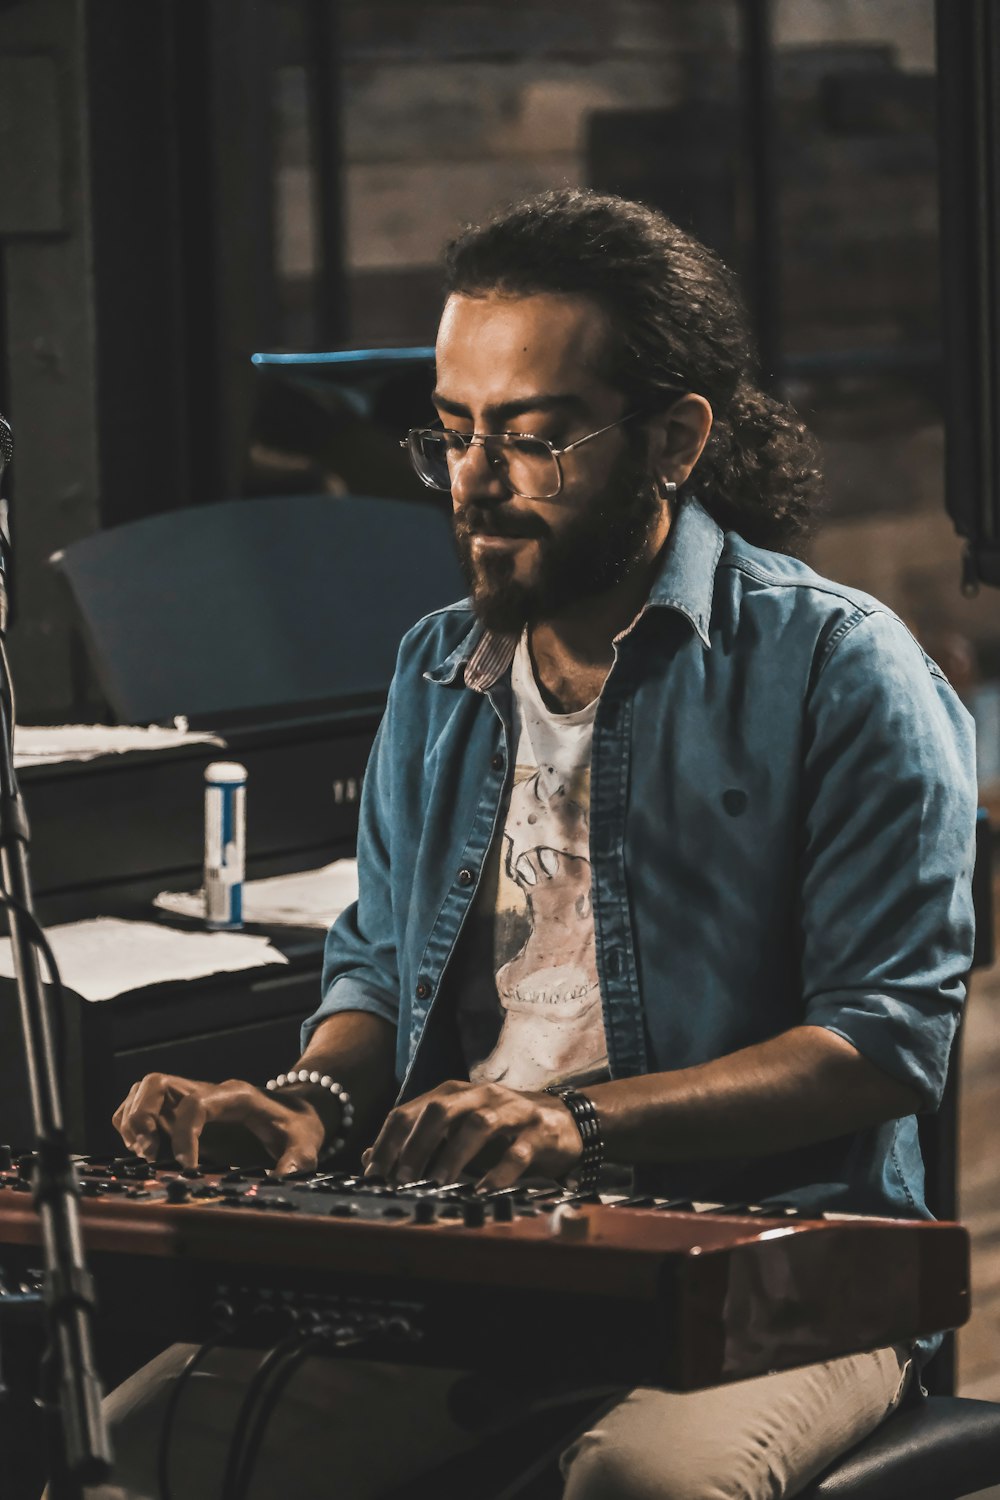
{"type": "Point", "coordinates": [529, 466]}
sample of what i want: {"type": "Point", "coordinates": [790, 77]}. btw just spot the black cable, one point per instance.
{"type": "Point", "coordinates": [163, 1450]}
{"type": "Point", "coordinates": [36, 936]}
{"type": "Point", "coordinates": [8, 691]}
{"type": "Point", "coordinates": [271, 1361]}
{"type": "Point", "coordinates": [282, 1376]}
{"type": "Point", "coordinates": [37, 939]}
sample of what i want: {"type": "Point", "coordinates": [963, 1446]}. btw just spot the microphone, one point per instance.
{"type": "Point", "coordinates": [6, 456]}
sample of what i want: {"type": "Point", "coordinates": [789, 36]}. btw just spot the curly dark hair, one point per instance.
{"type": "Point", "coordinates": [677, 323]}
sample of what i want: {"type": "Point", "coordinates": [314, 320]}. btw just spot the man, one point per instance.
{"type": "Point", "coordinates": [658, 816]}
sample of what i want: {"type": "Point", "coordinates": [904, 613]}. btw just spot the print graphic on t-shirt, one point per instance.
{"type": "Point", "coordinates": [546, 974]}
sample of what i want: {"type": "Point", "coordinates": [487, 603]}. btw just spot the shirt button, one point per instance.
{"type": "Point", "coordinates": [423, 990]}
{"type": "Point", "coordinates": [465, 877]}
{"type": "Point", "coordinates": [496, 761]}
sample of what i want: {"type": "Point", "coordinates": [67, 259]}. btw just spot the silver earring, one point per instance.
{"type": "Point", "coordinates": [665, 488]}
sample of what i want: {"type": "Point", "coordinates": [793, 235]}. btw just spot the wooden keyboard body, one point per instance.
{"type": "Point", "coordinates": [637, 1293]}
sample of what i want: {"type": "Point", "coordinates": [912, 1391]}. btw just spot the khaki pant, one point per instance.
{"type": "Point", "coordinates": [347, 1430]}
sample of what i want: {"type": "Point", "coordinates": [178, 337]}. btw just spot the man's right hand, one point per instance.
{"type": "Point", "coordinates": [288, 1127]}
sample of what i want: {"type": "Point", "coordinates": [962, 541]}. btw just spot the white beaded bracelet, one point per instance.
{"type": "Point", "coordinates": [303, 1075]}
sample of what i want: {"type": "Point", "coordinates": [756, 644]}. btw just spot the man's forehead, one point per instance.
{"type": "Point", "coordinates": [499, 346]}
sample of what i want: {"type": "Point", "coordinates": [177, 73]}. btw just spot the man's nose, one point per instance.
{"type": "Point", "coordinates": [474, 478]}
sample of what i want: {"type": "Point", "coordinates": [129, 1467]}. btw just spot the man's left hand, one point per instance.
{"type": "Point", "coordinates": [440, 1134]}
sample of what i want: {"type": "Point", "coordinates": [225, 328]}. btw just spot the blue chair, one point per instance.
{"type": "Point", "coordinates": [251, 605]}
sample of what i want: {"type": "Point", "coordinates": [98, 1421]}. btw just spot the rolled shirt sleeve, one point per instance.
{"type": "Point", "coordinates": [889, 843]}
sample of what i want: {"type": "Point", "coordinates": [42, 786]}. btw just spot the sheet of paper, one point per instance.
{"type": "Point", "coordinates": [106, 956]}
{"type": "Point", "coordinates": [46, 744]}
{"type": "Point", "coordinates": [313, 898]}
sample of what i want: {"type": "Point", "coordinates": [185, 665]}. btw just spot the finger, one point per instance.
{"type": "Point", "coordinates": [515, 1162]}
{"type": "Point", "coordinates": [121, 1111]}
{"type": "Point", "coordinates": [298, 1158]}
{"type": "Point", "coordinates": [384, 1151]}
{"type": "Point", "coordinates": [142, 1118]}
{"type": "Point", "coordinates": [296, 1140]}
{"type": "Point", "coordinates": [154, 1092]}
{"type": "Point", "coordinates": [399, 1124]}
{"type": "Point", "coordinates": [142, 1145]}
{"type": "Point", "coordinates": [186, 1127]}
{"type": "Point", "coordinates": [282, 1131]}
{"type": "Point", "coordinates": [442, 1115]}
{"type": "Point", "coordinates": [126, 1124]}
{"type": "Point", "coordinates": [464, 1142]}
{"type": "Point", "coordinates": [438, 1115]}
{"type": "Point", "coordinates": [185, 1115]}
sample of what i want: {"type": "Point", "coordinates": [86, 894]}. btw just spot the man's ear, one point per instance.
{"type": "Point", "coordinates": [679, 436]}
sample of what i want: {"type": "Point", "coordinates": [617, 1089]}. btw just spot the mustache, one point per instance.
{"type": "Point", "coordinates": [474, 521]}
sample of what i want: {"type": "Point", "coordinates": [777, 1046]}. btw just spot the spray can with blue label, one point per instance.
{"type": "Point", "coordinates": [225, 843]}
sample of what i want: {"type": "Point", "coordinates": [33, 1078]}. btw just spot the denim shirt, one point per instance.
{"type": "Point", "coordinates": [783, 804]}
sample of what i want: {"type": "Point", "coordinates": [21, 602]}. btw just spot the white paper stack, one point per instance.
{"type": "Point", "coordinates": [314, 898]}
{"type": "Point", "coordinates": [47, 744]}
{"type": "Point", "coordinates": [106, 956]}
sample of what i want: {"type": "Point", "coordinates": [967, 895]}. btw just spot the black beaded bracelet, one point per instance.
{"type": "Point", "coordinates": [585, 1118]}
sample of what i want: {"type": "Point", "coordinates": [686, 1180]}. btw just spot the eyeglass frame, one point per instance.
{"type": "Point", "coordinates": [482, 438]}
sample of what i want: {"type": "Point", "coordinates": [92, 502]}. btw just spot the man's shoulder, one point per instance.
{"type": "Point", "coordinates": [822, 608]}
{"type": "Point", "coordinates": [761, 570]}
{"type": "Point", "coordinates": [828, 617]}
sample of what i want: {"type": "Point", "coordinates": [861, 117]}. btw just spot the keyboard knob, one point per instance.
{"type": "Point", "coordinates": [474, 1213]}
{"type": "Point", "coordinates": [177, 1190]}
{"type": "Point", "coordinates": [569, 1223]}
{"type": "Point", "coordinates": [424, 1211]}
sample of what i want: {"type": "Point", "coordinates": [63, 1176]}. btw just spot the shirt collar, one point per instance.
{"type": "Point", "coordinates": [685, 582]}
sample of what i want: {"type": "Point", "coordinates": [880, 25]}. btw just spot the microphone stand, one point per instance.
{"type": "Point", "coordinates": [80, 1447]}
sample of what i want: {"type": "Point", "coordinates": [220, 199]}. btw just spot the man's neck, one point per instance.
{"type": "Point", "coordinates": [573, 653]}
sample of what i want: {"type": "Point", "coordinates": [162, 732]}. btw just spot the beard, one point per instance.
{"type": "Point", "coordinates": [594, 550]}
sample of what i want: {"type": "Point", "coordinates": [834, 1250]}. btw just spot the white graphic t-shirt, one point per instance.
{"type": "Point", "coordinates": [538, 1020]}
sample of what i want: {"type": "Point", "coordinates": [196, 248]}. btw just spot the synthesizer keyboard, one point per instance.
{"type": "Point", "coordinates": [634, 1290]}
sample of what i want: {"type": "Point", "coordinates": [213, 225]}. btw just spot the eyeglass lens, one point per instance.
{"type": "Point", "coordinates": [527, 464]}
